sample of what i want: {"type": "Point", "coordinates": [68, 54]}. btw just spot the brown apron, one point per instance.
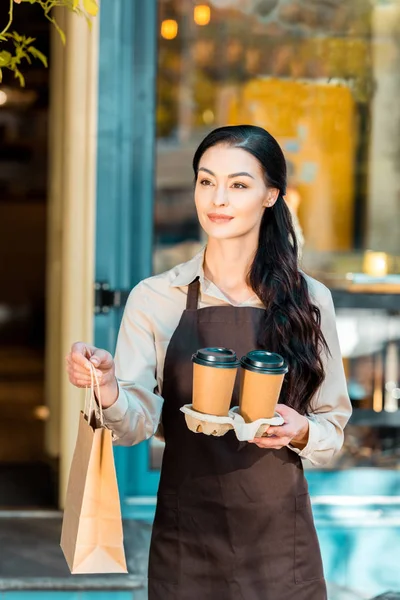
{"type": "Point", "coordinates": [233, 521]}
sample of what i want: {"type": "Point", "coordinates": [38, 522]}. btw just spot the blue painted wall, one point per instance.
{"type": "Point", "coordinates": [125, 182]}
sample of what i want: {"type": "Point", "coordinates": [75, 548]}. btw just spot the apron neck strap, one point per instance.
{"type": "Point", "coordinates": [193, 295]}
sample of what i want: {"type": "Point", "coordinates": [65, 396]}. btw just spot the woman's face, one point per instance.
{"type": "Point", "coordinates": [231, 194]}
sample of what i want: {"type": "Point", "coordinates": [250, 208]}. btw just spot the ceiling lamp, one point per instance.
{"type": "Point", "coordinates": [202, 14]}
{"type": "Point", "coordinates": [169, 29]}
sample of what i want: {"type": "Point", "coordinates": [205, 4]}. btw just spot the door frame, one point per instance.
{"type": "Point", "coordinates": [71, 220]}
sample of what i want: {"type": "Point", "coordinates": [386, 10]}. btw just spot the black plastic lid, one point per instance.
{"type": "Point", "coordinates": [222, 358]}
{"type": "Point", "coordinates": [261, 361]}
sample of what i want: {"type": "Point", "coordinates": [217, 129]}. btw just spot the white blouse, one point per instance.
{"type": "Point", "coordinates": [152, 314]}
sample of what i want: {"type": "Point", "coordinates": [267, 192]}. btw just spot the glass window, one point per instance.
{"type": "Point", "coordinates": [323, 78]}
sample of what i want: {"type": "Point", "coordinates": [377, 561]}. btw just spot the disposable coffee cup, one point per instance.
{"type": "Point", "coordinates": [261, 382]}
{"type": "Point", "coordinates": [214, 374]}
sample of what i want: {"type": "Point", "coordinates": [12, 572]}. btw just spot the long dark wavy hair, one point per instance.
{"type": "Point", "coordinates": [291, 323]}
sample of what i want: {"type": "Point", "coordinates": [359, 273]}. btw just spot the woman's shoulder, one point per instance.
{"type": "Point", "coordinates": [320, 294]}
{"type": "Point", "coordinates": [168, 283]}
{"type": "Point", "coordinates": [153, 286]}
{"type": "Point", "coordinates": [154, 296]}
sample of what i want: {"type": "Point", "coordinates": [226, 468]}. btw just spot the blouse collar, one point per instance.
{"type": "Point", "coordinates": [188, 271]}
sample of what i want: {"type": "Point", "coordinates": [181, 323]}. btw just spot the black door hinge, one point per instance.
{"type": "Point", "coordinates": [105, 298]}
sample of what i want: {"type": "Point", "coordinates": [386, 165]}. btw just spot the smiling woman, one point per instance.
{"type": "Point", "coordinates": [231, 193]}
{"type": "Point", "coordinates": [244, 292]}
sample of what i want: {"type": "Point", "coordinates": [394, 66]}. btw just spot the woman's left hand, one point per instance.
{"type": "Point", "coordinates": [295, 427]}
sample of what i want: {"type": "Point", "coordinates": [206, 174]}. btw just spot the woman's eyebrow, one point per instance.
{"type": "Point", "coordinates": [241, 174]}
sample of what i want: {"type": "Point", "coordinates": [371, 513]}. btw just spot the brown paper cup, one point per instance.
{"type": "Point", "coordinates": [214, 374]}
{"type": "Point", "coordinates": [213, 389]}
{"type": "Point", "coordinates": [261, 382]}
{"type": "Point", "coordinates": [259, 395]}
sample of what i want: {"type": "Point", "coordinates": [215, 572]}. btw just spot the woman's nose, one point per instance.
{"type": "Point", "coordinates": [220, 196]}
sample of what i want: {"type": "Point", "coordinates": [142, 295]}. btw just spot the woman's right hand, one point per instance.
{"type": "Point", "coordinates": [79, 362]}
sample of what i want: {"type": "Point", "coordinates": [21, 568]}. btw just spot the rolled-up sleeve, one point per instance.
{"type": "Point", "coordinates": [330, 407]}
{"type": "Point", "coordinates": [135, 415]}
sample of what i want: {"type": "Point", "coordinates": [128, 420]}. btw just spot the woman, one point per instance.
{"type": "Point", "coordinates": [233, 519]}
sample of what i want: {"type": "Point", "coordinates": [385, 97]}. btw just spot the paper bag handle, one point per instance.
{"type": "Point", "coordinates": [90, 397]}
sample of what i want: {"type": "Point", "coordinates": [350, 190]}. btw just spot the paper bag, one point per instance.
{"type": "Point", "coordinates": [92, 535]}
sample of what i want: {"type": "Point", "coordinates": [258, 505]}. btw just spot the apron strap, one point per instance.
{"type": "Point", "coordinates": [193, 294]}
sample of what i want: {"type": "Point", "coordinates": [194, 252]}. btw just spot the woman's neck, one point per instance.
{"type": "Point", "coordinates": [227, 264]}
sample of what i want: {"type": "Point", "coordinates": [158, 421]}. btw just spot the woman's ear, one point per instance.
{"type": "Point", "coordinates": [272, 197]}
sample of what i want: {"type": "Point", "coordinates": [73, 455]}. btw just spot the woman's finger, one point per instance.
{"type": "Point", "coordinates": [271, 442]}
{"type": "Point", "coordinates": [83, 382]}
{"type": "Point", "coordinates": [80, 384]}
{"type": "Point", "coordinates": [80, 380]}
{"type": "Point", "coordinates": [277, 447]}
{"type": "Point", "coordinates": [74, 375]}
{"type": "Point", "coordinates": [73, 367]}
{"type": "Point", "coordinates": [281, 431]}
{"type": "Point", "coordinates": [102, 359]}
{"type": "Point", "coordinates": [284, 410]}
{"type": "Point", "coordinates": [79, 370]}
{"type": "Point", "coordinates": [79, 359]}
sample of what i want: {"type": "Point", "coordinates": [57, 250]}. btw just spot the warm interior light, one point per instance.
{"type": "Point", "coordinates": [3, 97]}
{"type": "Point", "coordinates": [375, 263]}
{"type": "Point", "coordinates": [42, 413]}
{"type": "Point", "coordinates": [377, 400]}
{"type": "Point", "coordinates": [202, 14]}
{"type": "Point", "coordinates": [169, 29]}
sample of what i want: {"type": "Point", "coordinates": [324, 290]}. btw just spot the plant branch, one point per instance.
{"type": "Point", "coordinates": [23, 49]}
{"type": "Point", "coordinates": [10, 20]}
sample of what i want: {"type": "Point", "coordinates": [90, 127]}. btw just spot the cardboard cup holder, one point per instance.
{"type": "Point", "coordinates": [219, 426]}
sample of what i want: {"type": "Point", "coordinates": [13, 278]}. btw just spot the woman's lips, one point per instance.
{"type": "Point", "coordinates": [217, 218]}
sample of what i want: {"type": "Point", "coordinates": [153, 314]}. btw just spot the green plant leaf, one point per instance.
{"type": "Point", "coordinates": [15, 36]}
{"type": "Point", "coordinates": [56, 25]}
{"type": "Point", "coordinates": [20, 77]}
{"type": "Point", "coordinates": [91, 7]}
{"type": "Point", "coordinates": [39, 55]}
{"type": "Point", "coordinates": [20, 54]}
{"type": "Point", "coordinates": [5, 58]}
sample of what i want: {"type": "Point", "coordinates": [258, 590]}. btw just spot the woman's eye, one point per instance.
{"type": "Point", "coordinates": [205, 182]}
{"type": "Point", "coordinates": [239, 186]}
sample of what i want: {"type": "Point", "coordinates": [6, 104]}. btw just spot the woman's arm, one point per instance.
{"type": "Point", "coordinates": [135, 414]}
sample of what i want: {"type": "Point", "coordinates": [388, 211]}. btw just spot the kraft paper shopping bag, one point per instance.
{"type": "Point", "coordinates": [92, 535]}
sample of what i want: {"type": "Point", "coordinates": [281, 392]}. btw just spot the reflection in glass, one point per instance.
{"type": "Point", "coordinates": [370, 344]}
{"type": "Point", "coordinates": [324, 79]}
